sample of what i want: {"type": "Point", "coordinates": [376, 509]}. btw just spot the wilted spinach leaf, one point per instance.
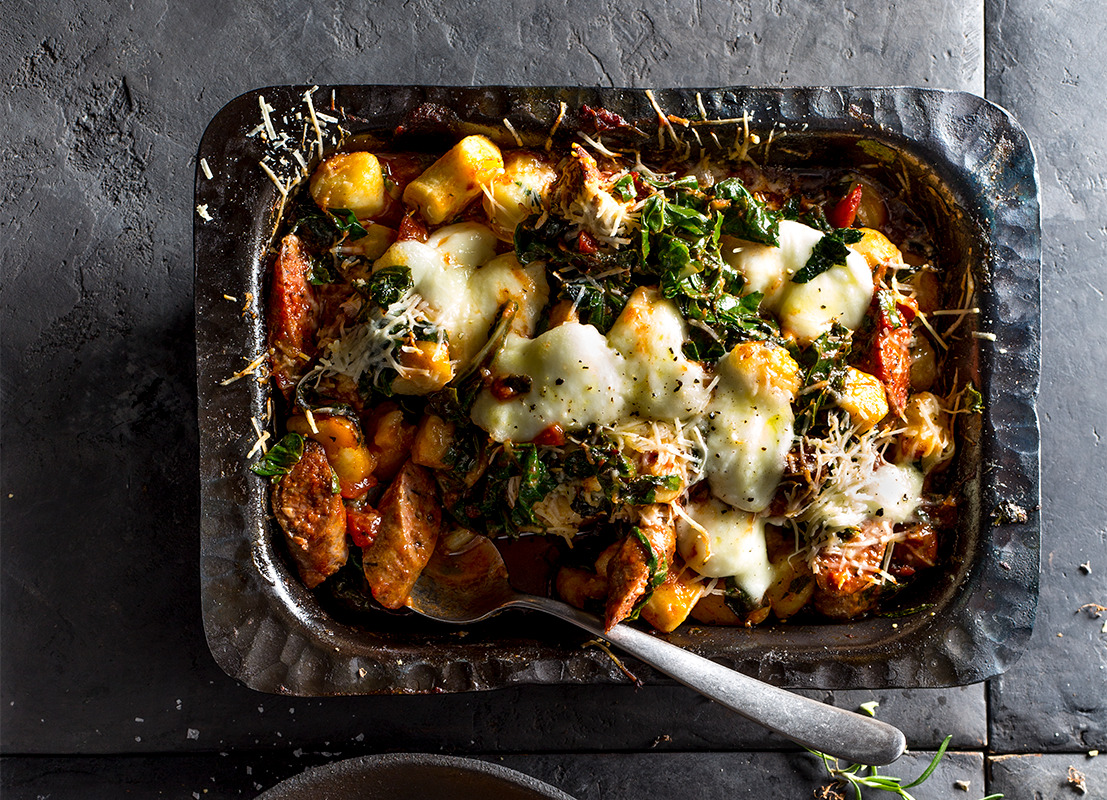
{"type": "Point", "coordinates": [281, 457]}
{"type": "Point", "coordinates": [746, 217]}
{"type": "Point", "coordinates": [829, 251]}
{"type": "Point", "coordinates": [346, 222]}
{"type": "Point", "coordinates": [389, 285]}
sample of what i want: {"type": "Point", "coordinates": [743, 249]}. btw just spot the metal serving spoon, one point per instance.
{"type": "Point", "coordinates": [471, 585]}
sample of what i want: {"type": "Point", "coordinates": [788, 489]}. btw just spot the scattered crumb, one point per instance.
{"type": "Point", "coordinates": [207, 170]}
{"type": "Point", "coordinates": [1077, 780]}
{"type": "Point", "coordinates": [1095, 610]}
{"type": "Point", "coordinates": [192, 733]}
{"type": "Point", "coordinates": [662, 739]}
{"type": "Point", "coordinates": [1004, 565]}
{"type": "Point", "coordinates": [1008, 512]}
{"type": "Point", "coordinates": [361, 672]}
{"type": "Point", "coordinates": [1093, 753]}
{"type": "Point", "coordinates": [1086, 567]}
{"type": "Point", "coordinates": [870, 707]}
{"type": "Point", "coordinates": [202, 210]}
{"type": "Point", "coordinates": [1060, 635]}
{"type": "Point", "coordinates": [962, 785]}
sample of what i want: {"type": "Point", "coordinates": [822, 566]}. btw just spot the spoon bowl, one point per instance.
{"type": "Point", "coordinates": [469, 583]}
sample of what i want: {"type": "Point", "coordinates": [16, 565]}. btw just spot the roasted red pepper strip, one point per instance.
{"type": "Point", "coordinates": [845, 210]}
{"type": "Point", "coordinates": [412, 227]}
{"type": "Point", "coordinates": [362, 524]}
{"type": "Point", "coordinates": [586, 243]}
{"type": "Point", "coordinates": [551, 435]}
{"type": "Point", "coordinates": [889, 357]}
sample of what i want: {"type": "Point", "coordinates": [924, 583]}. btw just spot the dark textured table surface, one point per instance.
{"type": "Point", "coordinates": [106, 683]}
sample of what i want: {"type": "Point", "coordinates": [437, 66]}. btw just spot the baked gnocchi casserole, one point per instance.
{"type": "Point", "coordinates": [688, 388]}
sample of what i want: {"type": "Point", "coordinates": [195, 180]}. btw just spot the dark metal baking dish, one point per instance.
{"type": "Point", "coordinates": [974, 179]}
{"type": "Point", "coordinates": [412, 776]}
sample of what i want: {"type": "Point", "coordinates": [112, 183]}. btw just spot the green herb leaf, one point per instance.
{"type": "Point", "coordinates": [624, 188]}
{"type": "Point", "coordinates": [738, 599]}
{"type": "Point", "coordinates": [389, 285]}
{"type": "Point", "coordinates": [658, 572]}
{"type": "Point", "coordinates": [536, 482]}
{"type": "Point", "coordinates": [823, 365]}
{"type": "Point", "coordinates": [322, 273]}
{"type": "Point", "coordinates": [746, 217]}
{"type": "Point", "coordinates": [933, 764]}
{"type": "Point", "coordinates": [973, 400]}
{"type": "Point", "coordinates": [280, 458]}
{"type": "Point", "coordinates": [829, 251]}
{"type": "Point", "coordinates": [346, 222]}
{"type": "Point", "coordinates": [674, 257]}
{"type": "Point", "coordinates": [598, 304]}
{"type": "Point", "coordinates": [485, 505]}
{"type": "Point", "coordinates": [869, 707]}
{"type": "Point", "coordinates": [889, 309]}
{"type": "Point", "coordinates": [642, 490]}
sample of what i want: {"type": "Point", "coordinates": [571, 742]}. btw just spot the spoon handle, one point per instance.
{"type": "Point", "coordinates": [815, 725]}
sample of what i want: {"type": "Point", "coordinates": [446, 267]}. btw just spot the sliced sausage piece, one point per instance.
{"type": "Point", "coordinates": [918, 550]}
{"type": "Point", "coordinates": [846, 585]}
{"type": "Point", "coordinates": [292, 317]}
{"type": "Point", "coordinates": [628, 572]}
{"type": "Point", "coordinates": [312, 516]}
{"type": "Point", "coordinates": [411, 517]}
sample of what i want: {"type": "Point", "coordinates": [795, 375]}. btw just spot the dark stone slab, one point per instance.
{"type": "Point", "coordinates": [756, 775]}
{"type": "Point", "coordinates": [223, 776]}
{"type": "Point", "coordinates": [217, 714]}
{"type": "Point", "coordinates": [1049, 776]}
{"type": "Point", "coordinates": [103, 650]}
{"type": "Point", "coordinates": [1047, 69]}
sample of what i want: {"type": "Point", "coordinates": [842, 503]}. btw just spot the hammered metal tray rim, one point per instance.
{"type": "Point", "coordinates": [266, 630]}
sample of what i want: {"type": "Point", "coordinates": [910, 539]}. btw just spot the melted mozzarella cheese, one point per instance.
{"type": "Point", "coordinates": [638, 370]}
{"type": "Point", "coordinates": [467, 244]}
{"type": "Point", "coordinates": [725, 542]}
{"type": "Point", "coordinates": [517, 192]}
{"type": "Point", "coordinates": [576, 379]}
{"type": "Point", "coordinates": [805, 310]}
{"type": "Point", "coordinates": [464, 284]}
{"type": "Point", "coordinates": [891, 493]}
{"type": "Point", "coordinates": [659, 381]}
{"type": "Point", "coordinates": [749, 424]}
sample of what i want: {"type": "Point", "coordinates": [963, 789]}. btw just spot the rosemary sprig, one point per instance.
{"type": "Point", "coordinates": [858, 776]}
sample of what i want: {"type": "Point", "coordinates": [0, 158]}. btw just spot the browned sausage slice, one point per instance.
{"type": "Point", "coordinates": [628, 572]}
{"type": "Point", "coordinates": [291, 321]}
{"type": "Point", "coordinates": [312, 516]}
{"type": "Point", "coordinates": [846, 582]}
{"type": "Point", "coordinates": [411, 517]}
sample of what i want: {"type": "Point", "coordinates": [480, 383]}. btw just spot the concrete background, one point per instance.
{"type": "Point", "coordinates": [105, 678]}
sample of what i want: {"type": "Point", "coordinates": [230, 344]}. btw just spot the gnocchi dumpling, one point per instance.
{"type": "Point", "coordinates": [351, 181]}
